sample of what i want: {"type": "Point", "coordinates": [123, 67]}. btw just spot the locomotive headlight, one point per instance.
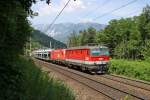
{"type": "Point", "coordinates": [101, 58]}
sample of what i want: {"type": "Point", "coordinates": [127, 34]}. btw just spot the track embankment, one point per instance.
{"type": "Point", "coordinates": [111, 87]}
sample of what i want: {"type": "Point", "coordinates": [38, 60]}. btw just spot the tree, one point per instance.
{"type": "Point", "coordinates": [91, 32]}
{"type": "Point", "coordinates": [14, 32]}
{"type": "Point", "coordinates": [144, 29]}
{"type": "Point", "coordinates": [128, 37]}
{"type": "Point", "coordinates": [82, 37]}
{"type": "Point", "coordinates": [144, 22]}
{"type": "Point", "coordinates": [73, 39]}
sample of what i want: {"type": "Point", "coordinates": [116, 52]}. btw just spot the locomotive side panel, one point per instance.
{"type": "Point", "coordinates": [58, 56]}
{"type": "Point", "coordinates": [91, 59]}
{"type": "Point", "coordinates": [76, 55]}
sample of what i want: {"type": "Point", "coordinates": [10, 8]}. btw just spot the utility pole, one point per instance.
{"type": "Point", "coordinates": [54, 45]}
{"type": "Point", "coordinates": [26, 52]}
{"type": "Point", "coordinates": [50, 44]}
{"type": "Point", "coordinates": [30, 46]}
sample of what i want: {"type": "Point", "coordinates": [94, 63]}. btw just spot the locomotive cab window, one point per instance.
{"type": "Point", "coordinates": [95, 52]}
{"type": "Point", "coordinates": [99, 51]}
{"type": "Point", "coordinates": [104, 51]}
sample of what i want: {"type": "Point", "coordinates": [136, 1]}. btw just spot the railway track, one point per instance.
{"type": "Point", "coordinates": [132, 82]}
{"type": "Point", "coordinates": [110, 91]}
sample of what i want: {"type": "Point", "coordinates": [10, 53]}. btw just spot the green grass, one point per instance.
{"type": "Point", "coordinates": [37, 85]}
{"type": "Point", "coordinates": [133, 69]}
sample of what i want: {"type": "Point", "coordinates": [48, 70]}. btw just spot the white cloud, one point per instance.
{"type": "Point", "coordinates": [55, 8]}
{"type": "Point", "coordinates": [85, 10]}
{"type": "Point", "coordinates": [123, 12]}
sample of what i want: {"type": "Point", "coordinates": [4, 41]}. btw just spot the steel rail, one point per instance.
{"type": "Point", "coordinates": [127, 83]}
{"type": "Point", "coordinates": [106, 94]}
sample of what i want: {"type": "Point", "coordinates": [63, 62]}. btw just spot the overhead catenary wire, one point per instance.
{"type": "Point", "coordinates": [98, 7]}
{"type": "Point", "coordinates": [135, 12]}
{"type": "Point", "coordinates": [130, 14]}
{"type": "Point", "coordinates": [125, 5]}
{"type": "Point", "coordinates": [50, 26]}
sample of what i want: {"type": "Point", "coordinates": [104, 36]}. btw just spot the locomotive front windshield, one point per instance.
{"type": "Point", "coordinates": [99, 51]}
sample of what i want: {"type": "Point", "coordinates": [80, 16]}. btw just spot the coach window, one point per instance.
{"type": "Point", "coordinates": [45, 55]}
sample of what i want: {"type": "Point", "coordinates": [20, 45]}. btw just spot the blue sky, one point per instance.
{"type": "Point", "coordinates": [85, 11]}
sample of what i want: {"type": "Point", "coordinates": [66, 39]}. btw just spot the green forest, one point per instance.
{"type": "Point", "coordinates": [20, 78]}
{"type": "Point", "coordinates": [44, 40]}
{"type": "Point", "coordinates": [39, 40]}
{"type": "Point", "coordinates": [127, 38]}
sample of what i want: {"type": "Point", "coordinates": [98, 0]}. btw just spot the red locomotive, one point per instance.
{"type": "Point", "coordinates": [58, 56]}
{"type": "Point", "coordinates": [88, 58]}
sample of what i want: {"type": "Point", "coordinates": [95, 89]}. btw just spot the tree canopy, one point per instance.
{"type": "Point", "coordinates": [14, 33]}
{"type": "Point", "coordinates": [127, 38]}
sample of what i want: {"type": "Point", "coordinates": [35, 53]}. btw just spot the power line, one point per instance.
{"type": "Point", "coordinates": [133, 1]}
{"type": "Point", "coordinates": [135, 12]}
{"type": "Point", "coordinates": [49, 27]}
{"type": "Point", "coordinates": [92, 11]}
{"type": "Point", "coordinates": [130, 14]}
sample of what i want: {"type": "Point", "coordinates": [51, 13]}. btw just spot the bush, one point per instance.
{"type": "Point", "coordinates": [37, 85]}
{"type": "Point", "coordinates": [134, 69]}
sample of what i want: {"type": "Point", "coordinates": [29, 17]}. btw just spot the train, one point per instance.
{"type": "Point", "coordinates": [93, 59]}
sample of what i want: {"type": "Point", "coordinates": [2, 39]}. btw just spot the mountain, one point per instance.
{"type": "Point", "coordinates": [63, 30]}
{"type": "Point", "coordinates": [44, 40]}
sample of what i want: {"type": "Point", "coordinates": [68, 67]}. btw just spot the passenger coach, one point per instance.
{"type": "Point", "coordinates": [44, 54]}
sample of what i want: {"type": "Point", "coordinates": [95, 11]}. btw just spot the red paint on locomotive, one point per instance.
{"type": "Point", "coordinates": [77, 54]}
{"type": "Point", "coordinates": [84, 55]}
{"type": "Point", "coordinates": [58, 54]}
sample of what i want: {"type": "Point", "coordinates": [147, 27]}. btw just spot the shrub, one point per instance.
{"type": "Point", "coordinates": [38, 85]}
{"type": "Point", "coordinates": [134, 69]}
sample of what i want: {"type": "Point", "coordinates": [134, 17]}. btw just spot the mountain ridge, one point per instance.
{"type": "Point", "coordinates": [61, 31]}
{"type": "Point", "coordinates": [45, 40]}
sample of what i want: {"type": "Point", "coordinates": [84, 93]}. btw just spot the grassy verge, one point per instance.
{"type": "Point", "coordinates": [134, 69]}
{"type": "Point", "coordinates": [37, 85]}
